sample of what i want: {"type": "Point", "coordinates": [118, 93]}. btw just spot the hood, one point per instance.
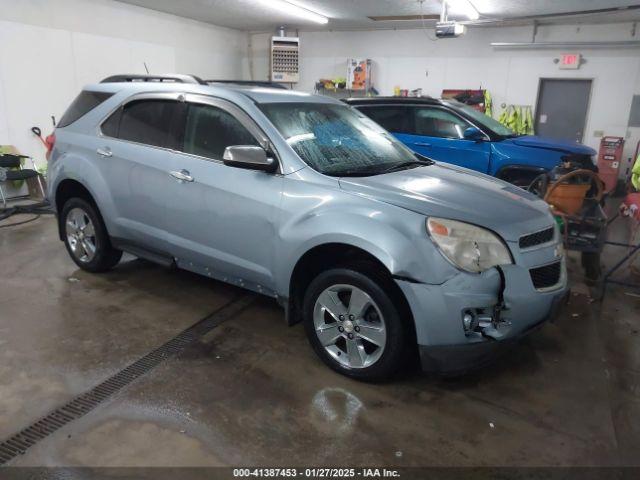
{"type": "Point", "coordinates": [552, 144]}
{"type": "Point", "coordinates": [457, 193]}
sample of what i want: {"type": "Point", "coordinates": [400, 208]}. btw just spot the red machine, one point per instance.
{"type": "Point", "coordinates": [609, 161]}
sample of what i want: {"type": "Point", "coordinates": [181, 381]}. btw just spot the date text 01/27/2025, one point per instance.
{"type": "Point", "coordinates": [316, 472]}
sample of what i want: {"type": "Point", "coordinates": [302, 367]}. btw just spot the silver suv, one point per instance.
{"type": "Point", "coordinates": [380, 252]}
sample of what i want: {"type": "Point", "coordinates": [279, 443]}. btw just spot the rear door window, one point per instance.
{"type": "Point", "coordinates": [145, 121]}
{"type": "Point", "coordinates": [83, 104]}
{"type": "Point", "coordinates": [394, 119]}
{"type": "Point", "coordinates": [210, 130]}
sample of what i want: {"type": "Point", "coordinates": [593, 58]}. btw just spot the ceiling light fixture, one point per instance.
{"type": "Point", "coordinates": [465, 7]}
{"type": "Point", "coordinates": [291, 8]}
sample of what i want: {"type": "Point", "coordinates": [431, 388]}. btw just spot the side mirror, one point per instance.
{"type": "Point", "coordinates": [249, 157]}
{"type": "Point", "coordinates": [472, 133]}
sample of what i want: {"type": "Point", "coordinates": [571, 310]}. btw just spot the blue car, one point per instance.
{"type": "Point", "coordinates": [452, 132]}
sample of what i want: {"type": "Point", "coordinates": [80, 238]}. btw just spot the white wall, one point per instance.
{"type": "Point", "coordinates": [403, 58]}
{"type": "Point", "coordinates": [50, 49]}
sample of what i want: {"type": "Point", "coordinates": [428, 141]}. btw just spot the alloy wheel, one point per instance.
{"type": "Point", "coordinates": [350, 326]}
{"type": "Point", "coordinates": [81, 235]}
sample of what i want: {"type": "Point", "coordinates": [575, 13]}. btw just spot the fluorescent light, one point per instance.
{"type": "Point", "coordinates": [465, 7]}
{"type": "Point", "coordinates": [555, 45]}
{"type": "Point", "coordinates": [291, 8]}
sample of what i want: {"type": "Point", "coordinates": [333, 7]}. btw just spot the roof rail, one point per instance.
{"type": "Point", "coordinates": [171, 77]}
{"type": "Point", "coordinates": [250, 83]}
{"type": "Point", "coordinates": [389, 100]}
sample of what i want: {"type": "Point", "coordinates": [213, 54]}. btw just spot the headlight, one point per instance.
{"type": "Point", "coordinates": [470, 248]}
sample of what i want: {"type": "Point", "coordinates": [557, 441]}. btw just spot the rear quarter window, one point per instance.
{"type": "Point", "coordinates": [394, 119]}
{"type": "Point", "coordinates": [111, 126]}
{"type": "Point", "coordinates": [83, 104]}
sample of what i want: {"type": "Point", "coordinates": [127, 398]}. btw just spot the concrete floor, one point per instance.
{"type": "Point", "coordinates": [251, 392]}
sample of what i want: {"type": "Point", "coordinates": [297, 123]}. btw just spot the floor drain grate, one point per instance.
{"type": "Point", "coordinates": [85, 402]}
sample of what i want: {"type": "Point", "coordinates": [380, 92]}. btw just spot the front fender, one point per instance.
{"type": "Point", "coordinates": [506, 155]}
{"type": "Point", "coordinates": [395, 236]}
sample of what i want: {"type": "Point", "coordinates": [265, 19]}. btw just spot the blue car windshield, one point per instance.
{"type": "Point", "coordinates": [339, 141]}
{"type": "Point", "coordinates": [484, 120]}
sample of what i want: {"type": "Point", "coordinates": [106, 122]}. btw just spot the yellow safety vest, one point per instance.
{"type": "Point", "coordinates": [488, 103]}
{"type": "Point", "coordinates": [635, 174]}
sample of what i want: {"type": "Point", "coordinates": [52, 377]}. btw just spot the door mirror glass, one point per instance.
{"type": "Point", "coordinates": [472, 133]}
{"type": "Point", "coordinates": [249, 157]}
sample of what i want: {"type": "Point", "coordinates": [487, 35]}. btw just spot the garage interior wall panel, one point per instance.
{"type": "Point", "coordinates": [412, 59]}
{"type": "Point", "coordinates": [36, 82]}
{"type": "Point", "coordinates": [50, 50]}
{"type": "Point", "coordinates": [4, 123]}
{"type": "Point", "coordinates": [68, 43]}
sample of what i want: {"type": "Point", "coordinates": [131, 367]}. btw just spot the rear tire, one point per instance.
{"type": "Point", "coordinates": [86, 238]}
{"type": "Point", "coordinates": [355, 325]}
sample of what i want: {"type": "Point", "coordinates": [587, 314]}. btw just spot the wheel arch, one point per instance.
{"type": "Point", "coordinates": [67, 189]}
{"type": "Point", "coordinates": [329, 255]}
{"type": "Point", "coordinates": [513, 171]}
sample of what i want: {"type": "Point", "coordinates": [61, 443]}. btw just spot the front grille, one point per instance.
{"type": "Point", "coordinates": [537, 238]}
{"type": "Point", "coordinates": [547, 276]}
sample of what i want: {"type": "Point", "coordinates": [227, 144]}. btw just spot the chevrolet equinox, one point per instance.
{"type": "Point", "coordinates": [379, 251]}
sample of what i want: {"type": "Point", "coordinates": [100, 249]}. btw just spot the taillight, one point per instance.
{"type": "Point", "coordinates": [49, 142]}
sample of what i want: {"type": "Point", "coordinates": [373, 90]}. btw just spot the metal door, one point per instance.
{"type": "Point", "coordinates": [221, 219]}
{"type": "Point", "coordinates": [562, 108]}
{"type": "Point", "coordinates": [135, 168]}
{"type": "Point", "coordinates": [438, 134]}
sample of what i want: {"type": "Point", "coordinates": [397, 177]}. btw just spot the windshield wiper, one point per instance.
{"type": "Point", "coordinates": [353, 173]}
{"type": "Point", "coordinates": [364, 171]}
{"type": "Point", "coordinates": [406, 166]}
{"type": "Point", "coordinates": [370, 170]}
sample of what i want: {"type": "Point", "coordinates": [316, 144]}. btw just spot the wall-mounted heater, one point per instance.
{"type": "Point", "coordinates": [284, 59]}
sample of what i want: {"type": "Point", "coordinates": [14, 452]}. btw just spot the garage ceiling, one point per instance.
{"type": "Point", "coordinates": [255, 15]}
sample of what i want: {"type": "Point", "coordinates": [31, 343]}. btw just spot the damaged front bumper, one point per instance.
{"type": "Point", "coordinates": [503, 310]}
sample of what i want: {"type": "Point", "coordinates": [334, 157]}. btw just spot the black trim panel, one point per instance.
{"type": "Point", "coordinates": [161, 258]}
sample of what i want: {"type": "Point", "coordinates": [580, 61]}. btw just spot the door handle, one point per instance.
{"type": "Point", "coordinates": [422, 144]}
{"type": "Point", "coordinates": [104, 152]}
{"type": "Point", "coordinates": [182, 175]}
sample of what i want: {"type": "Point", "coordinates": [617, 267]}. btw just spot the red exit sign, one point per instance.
{"type": "Point", "coordinates": [570, 61]}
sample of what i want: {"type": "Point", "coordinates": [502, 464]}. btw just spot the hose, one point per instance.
{"type": "Point", "coordinates": [578, 173]}
{"type": "Point", "coordinates": [40, 208]}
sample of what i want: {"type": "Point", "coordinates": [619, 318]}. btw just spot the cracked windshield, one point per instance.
{"type": "Point", "coordinates": [337, 141]}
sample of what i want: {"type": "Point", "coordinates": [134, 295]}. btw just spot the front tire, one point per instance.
{"type": "Point", "coordinates": [354, 325]}
{"type": "Point", "coordinates": [86, 238]}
